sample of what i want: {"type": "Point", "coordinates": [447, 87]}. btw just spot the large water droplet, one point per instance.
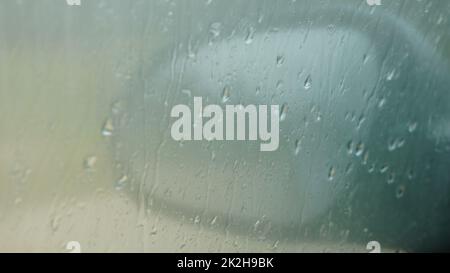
{"type": "Point", "coordinates": [400, 191]}
{"type": "Point", "coordinates": [382, 102]}
{"type": "Point", "coordinates": [359, 149]}
{"type": "Point", "coordinates": [108, 128]}
{"type": "Point", "coordinates": [392, 145]}
{"type": "Point", "coordinates": [390, 76]}
{"type": "Point", "coordinates": [250, 35]}
{"type": "Point", "coordinates": [391, 178]}
{"type": "Point", "coordinates": [297, 146]}
{"type": "Point", "coordinates": [308, 83]}
{"type": "Point", "coordinates": [280, 60]}
{"type": "Point", "coordinates": [400, 142]}
{"type": "Point", "coordinates": [350, 147]}
{"type": "Point", "coordinates": [412, 126]}
{"type": "Point", "coordinates": [365, 58]}
{"type": "Point", "coordinates": [121, 183]}
{"type": "Point", "coordinates": [331, 173]}
{"type": "Point", "coordinates": [395, 144]}
{"type": "Point", "coordinates": [226, 93]}
{"type": "Point", "coordinates": [213, 221]}
{"type": "Point", "coordinates": [384, 168]}
{"type": "Point", "coordinates": [89, 162]}
{"type": "Point", "coordinates": [215, 29]}
{"type": "Point", "coordinates": [258, 90]}
{"type": "Point", "coordinates": [284, 110]}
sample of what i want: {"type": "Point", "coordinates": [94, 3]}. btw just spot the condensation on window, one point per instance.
{"type": "Point", "coordinates": [88, 163]}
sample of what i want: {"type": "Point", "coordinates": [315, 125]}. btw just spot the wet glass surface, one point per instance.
{"type": "Point", "coordinates": [86, 152]}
